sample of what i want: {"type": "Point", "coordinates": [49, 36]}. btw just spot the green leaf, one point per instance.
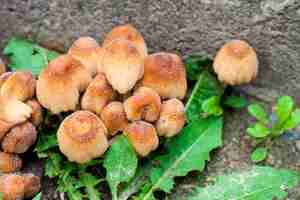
{"type": "Point", "coordinates": [212, 106]}
{"type": "Point", "coordinates": [25, 55]}
{"type": "Point", "coordinates": [186, 152]}
{"type": "Point", "coordinates": [258, 112]}
{"type": "Point", "coordinates": [195, 65]}
{"type": "Point", "coordinates": [293, 121]}
{"type": "Point", "coordinates": [258, 183]}
{"type": "Point", "coordinates": [237, 102]}
{"type": "Point", "coordinates": [258, 130]}
{"type": "Point", "coordinates": [120, 163]}
{"type": "Point", "coordinates": [53, 165]}
{"type": "Point", "coordinates": [45, 143]}
{"type": "Point", "coordinates": [284, 108]}
{"type": "Point", "coordinates": [37, 197]}
{"type": "Point", "coordinates": [207, 86]}
{"type": "Point", "coordinates": [90, 183]}
{"type": "Point", "coordinates": [1, 196]}
{"type": "Point", "coordinates": [259, 154]}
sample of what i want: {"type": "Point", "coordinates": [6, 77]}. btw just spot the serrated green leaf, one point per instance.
{"type": "Point", "coordinates": [187, 152]}
{"type": "Point", "coordinates": [293, 121]}
{"type": "Point", "coordinates": [258, 130]}
{"type": "Point", "coordinates": [45, 143]}
{"type": "Point", "coordinates": [259, 154]}
{"type": "Point", "coordinates": [237, 102]}
{"type": "Point", "coordinates": [37, 197]}
{"type": "Point", "coordinates": [284, 108]}
{"type": "Point", "coordinates": [120, 163]}
{"type": "Point", "coordinates": [258, 183]}
{"type": "Point", "coordinates": [90, 183]}
{"type": "Point", "coordinates": [25, 55]}
{"type": "Point", "coordinates": [207, 86]}
{"type": "Point", "coordinates": [53, 165]}
{"type": "Point", "coordinates": [212, 106]}
{"type": "Point", "coordinates": [258, 112]}
{"type": "Point", "coordinates": [195, 64]}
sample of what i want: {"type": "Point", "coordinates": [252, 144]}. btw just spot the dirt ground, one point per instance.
{"type": "Point", "coordinates": [272, 27]}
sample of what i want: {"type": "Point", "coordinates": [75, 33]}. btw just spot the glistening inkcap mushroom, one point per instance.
{"type": "Point", "coordinates": [236, 63]}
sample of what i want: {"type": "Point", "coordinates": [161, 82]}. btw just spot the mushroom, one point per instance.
{"type": "Point", "coordinates": [12, 187]}
{"type": "Point", "coordinates": [84, 51]}
{"type": "Point", "coordinates": [20, 85]}
{"type": "Point", "coordinates": [19, 138]}
{"type": "Point", "coordinates": [114, 117]}
{"type": "Point", "coordinates": [144, 104]}
{"type": "Point", "coordinates": [127, 32]}
{"type": "Point", "coordinates": [165, 73]}
{"type": "Point", "coordinates": [2, 67]}
{"type": "Point", "coordinates": [82, 137]}
{"type": "Point", "coordinates": [37, 112]}
{"type": "Point", "coordinates": [4, 77]}
{"type": "Point", "coordinates": [122, 65]}
{"type": "Point", "coordinates": [236, 63]}
{"type": "Point", "coordinates": [59, 84]}
{"type": "Point", "coordinates": [4, 128]}
{"type": "Point", "coordinates": [32, 185]}
{"type": "Point", "coordinates": [143, 137]}
{"type": "Point", "coordinates": [9, 162]}
{"type": "Point", "coordinates": [97, 95]}
{"type": "Point", "coordinates": [172, 118]}
{"type": "Point", "coordinates": [14, 111]}
{"type": "Point", "coordinates": [99, 56]}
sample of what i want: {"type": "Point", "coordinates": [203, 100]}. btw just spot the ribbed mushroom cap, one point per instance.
{"type": "Point", "coordinates": [59, 84]}
{"type": "Point", "coordinates": [19, 138]}
{"type": "Point", "coordinates": [83, 50]}
{"type": "Point", "coordinates": [32, 185]}
{"type": "Point", "coordinates": [165, 73]}
{"type": "Point", "coordinates": [144, 104]}
{"type": "Point", "coordinates": [37, 112]}
{"type": "Point", "coordinates": [2, 67]}
{"type": "Point", "coordinates": [236, 63]}
{"type": "Point", "coordinates": [143, 137]}
{"type": "Point", "coordinates": [20, 85]}
{"type": "Point", "coordinates": [4, 128]}
{"type": "Point", "coordinates": [127, 32]}
{"type": "Point", "coordinates": [9, 162]}
{"type": "Point", "coordinates": [122, 65]}
{"type": "Point", "coordinates": [14, 111]}
{"type": "Point", "coordinates": [12, 186]}
{"type": "Point", "coordinates": [97, 95]}
{"type": "Point", "coordinates": [82, 137]}
{"type": "Point", "coordinates": [114, 117]}
{"type": "Point", "coordinates": [172, 118]}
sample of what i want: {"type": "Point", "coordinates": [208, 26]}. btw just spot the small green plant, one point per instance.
{"type": "Point", "coordinates": [267, 127]}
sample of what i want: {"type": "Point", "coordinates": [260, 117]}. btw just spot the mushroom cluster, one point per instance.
{"type": "Point", "coordinates": [20, 113]}
{"type": "Point", "coordinates": [113, 88]}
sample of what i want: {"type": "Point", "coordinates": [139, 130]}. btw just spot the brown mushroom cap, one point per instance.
{"type": "Point", "coordinates": [143, 137]}
{"type": "Point", "coordinates": [4, 77]}
{"type": "Point", "coordinates": [172, 118]}
{"type": "Point", "coordinates": [19, 138]}
{"type": "Point", "coordinates": [122, 65]}
{"type": "Point", "coordinates": [4, 128]}
{"type": "Point", "coordinates": [2, 67]}
{"type": "Point", "coordinates": [14, 111]}
{"type": "Point", "coordinates": [82, 137]}
{"type": "Point", "coordinates": [114, 117]}
{"type": "Point", "coordinates": [165, 73]}
{"type": "Point", "coordinates": [37, 112]}
{"type": "Point", "coordinates": [19, 85]}
{"type": "Point", "coordinates": [97, 95]}
{"type": "Point", "coordinates": [98, 57]}
{"type": "Point", "coordinates": [12, 186]}
{"type": "Point", "coordinates": [127, 32]}
{"type": "Point", "coordinates": [9, 162]}
{"type": "Point", "coordinates": [83, 50]}
{"type": "Point", "coordinates": [144, 104]}
{"type": "Point", "coordinates": [59, 84]}
{"type": "Point", "coordinates": [32, 185]}
{"type": "Point", "coordinates": [236, 63]}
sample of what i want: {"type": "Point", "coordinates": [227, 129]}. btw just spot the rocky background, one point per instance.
{"type": "Point", "coordinates": [272, 27]}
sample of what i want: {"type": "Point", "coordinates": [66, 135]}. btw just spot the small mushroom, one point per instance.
{"type": "Point", "coordinates": [9, 162]}
{"type": "Point", "coordinates": [12, 187]}
{"type": "Point", "coordinates": [83, 50]}
{"type": "Point", "coordinates": [114, 117]}
{"type": "Point", "coordinates": [32, 185]}
{"type": "Point", "coordinates": [4, 128]}
{"type": "Point", "coordinates": [97, 95]}
{"type": "Point", "coordinates": [14, 111]}
{"type": "Point", "coordinates": [99, 56]}
{"type": "Point", "coordinates": [143, 137]}
{"type": "Point", "coordinates": [20, 85]}
{"type": "Point", "coordinates": [172, 118]}
{"type": "Point", "coordinates": [59, 85]}
{"type": "Point", "coordinates": [37, 112]}
{"type": "Point", "coordinates": [2, 67]}
{"type": "Point", "coordinates": [82, 137]}
{"type": "Point", "coordinates": [127, 32]}
{"type": "Point", "coordinates": [122, 65]}
{"type": "Point", "coordinates": [236, 63]}
{"type": "Point", "coordinates": [144, 104]}
{"type": "Point", "coordinates": [19, 138]}
{"type": "Point", "coordinates": [165, 73]}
